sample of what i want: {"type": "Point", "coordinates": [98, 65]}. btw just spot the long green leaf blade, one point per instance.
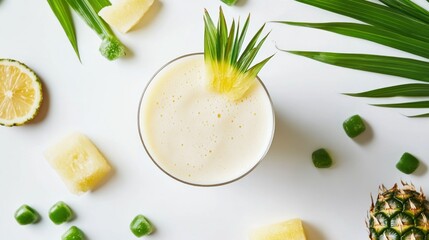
{"type": "Point", "coordinates": [223, 35]}
{"type": "Point", "coordinates": [62, 11]}
{"type": "Point", "coordinates": [405, 90]}
{"type": "Point", "coordinates": [402, 67]}
{"type": "Point", "coordinates": [249, 56]}
{"type": "Point", "coordinates": [230, 43]}
{"type": "Point", "coordinates": [414, 5]}
{"type": "Point", "coordinates": [210, 36]}
{"type": "Point", "coordinates": [253, 71]}
{"type": "Point", "coordinates": [421, 104]}
{"type": "Point", "coordinates": [252, 42]}
{"type": "Point", "coordinates": [99, 4]}
{"type": "Point", "coordinates": [111, 47]}
{"type": "Point", "coordinates": [375, 14]}
{"type": "Point", "coordinates": [409, 8]}
{"type": "Point", "coordinates": [372, 33]}
{"type": "Point", "coordinates": [239, 41]}
{"type": "Point", "coordinates": [88, 13]}
{"type": "Point", "coordinates": [425, 115]}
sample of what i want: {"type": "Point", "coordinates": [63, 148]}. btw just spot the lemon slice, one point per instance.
{"type": "Point", "coordinates": [20, 93]}
{"type": "Point", "coordinates": [124, 14]}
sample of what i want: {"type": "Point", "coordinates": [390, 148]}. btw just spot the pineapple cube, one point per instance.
{"type": "Point", "coordinates": [288, 230]}
{"type": "Point", "coordinates": [125, 14]}
{"type": "Point", "coordinates": [79, 163]}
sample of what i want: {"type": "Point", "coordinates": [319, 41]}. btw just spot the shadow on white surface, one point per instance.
{"type": "Point", "coordinates": [312, 232]}
{"type": "Point", "coordinates": [288, 140]}
{"type": "Point", "coordinates": [149, 16]}
{"type": "Point", "coordinates": [129, 54]}
{"type": "Point", "coordinates": [239, 3]}
{"type": "Point", "coordinates": [421, 170]}
{"type": "Point", "coordinates": [366, 137]}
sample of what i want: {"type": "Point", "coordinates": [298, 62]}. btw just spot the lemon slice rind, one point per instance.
{"type": "Point", "coordinates": [5, 87]}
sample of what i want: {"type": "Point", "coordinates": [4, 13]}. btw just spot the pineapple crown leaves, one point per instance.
{"type": "Point", "coordinates": [229, 65]}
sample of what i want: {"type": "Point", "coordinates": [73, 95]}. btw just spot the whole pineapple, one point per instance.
{"type": "Point", "coordinates": [399, 214]}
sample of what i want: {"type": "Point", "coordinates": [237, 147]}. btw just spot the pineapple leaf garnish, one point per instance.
{"type": "Point", "coordinates": [228, 70]}
{"type": "Point", "coordinates": [399, 24]}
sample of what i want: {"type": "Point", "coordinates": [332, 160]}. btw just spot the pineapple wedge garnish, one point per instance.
{"type": "Point", "coordinates": [79, 163]}
{"type": "Point", "coordinates": [125, 14]}
{"type": "Point", "coordinates": [229, 71]}
{"type": "Point", "coordinates": [288, 230]}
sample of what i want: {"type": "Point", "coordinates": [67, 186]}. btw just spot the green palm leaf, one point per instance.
{"type": "Point", "coordinates": [420, 104]}
{"type": "Point", "coordinates": [402, 67]}
{"type": "Point", "coordinates": [88, 13]}
{"type": "Point", "coordinates": [405, 90]}
{"type": "Point", "coordinates": [400, 24]}
{"type": "Point", "coordinates": [420, 116]}
{"type": "Point", "coordinates": [372, 33]}
{"type": "Point", "coordinates": [409, 8]}
{"type": "Point", "coordinates": [375, 14]}
{"type": "Point", "coordinates": [111, 47]}
{"type": "Point", "coordinates": [99, 4]}
{"type": "Point", "coordinates": [62, 11]}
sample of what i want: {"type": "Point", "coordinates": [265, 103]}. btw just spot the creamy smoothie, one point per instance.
{"type": "Point", "coordinates": [199, 136]}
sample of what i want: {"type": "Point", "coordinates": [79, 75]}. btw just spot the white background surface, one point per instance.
{"type": "Point", "coordinates": [100, 98]}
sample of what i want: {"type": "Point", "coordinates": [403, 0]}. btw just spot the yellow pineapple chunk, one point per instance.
{"type": "Point", "coordinates": [125, 14]}
{"type": "Point", "coordinates": [79, 163]}
{"type": "Point", "coordinates": [288, 230]}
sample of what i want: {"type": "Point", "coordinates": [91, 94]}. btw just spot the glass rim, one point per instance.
{"type": "Point", "coordinates": [191, 183]}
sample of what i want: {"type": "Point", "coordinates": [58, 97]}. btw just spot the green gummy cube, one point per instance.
{"type": "Point", "coordinates": [140, 226]}
{"type": "Point", "coordinates": [354, 126]}
{"type": "Point", "coordinates": [229, 2]}
{"type": "Point", "coordinates": [321, 158]}
{"type": "Point", "coordinates": [408, 163]}
{"type": "Point", "coordinates": [60, 213]}
{"type": "Point", "coordinates": [74, 233]}
{"type": "Point", "coordinates": [25, 215]}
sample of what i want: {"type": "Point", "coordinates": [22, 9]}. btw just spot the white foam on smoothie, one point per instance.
{"type": "Point", "coordinates": [197, 135]}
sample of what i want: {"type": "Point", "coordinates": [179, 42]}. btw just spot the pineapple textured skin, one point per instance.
{"type": "Point", "coordinates": [79, 163]}
{"type": "Point", "coordinates": [400, 213]}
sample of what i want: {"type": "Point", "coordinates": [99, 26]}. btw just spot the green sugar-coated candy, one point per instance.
{"type": "Point", "coordinates": [321, 158]}
{"type": "Point", "coordinates": [354, 126]}
{"type": "Point", "coordinates": [408, 163]}
{"type": "Point", "coordinates": [140, 226]}
{"type": "Point", "coordinates": [25, 215]}
{"type": "Point", "coordinates": [229, 2]}
{"type": "Point", "coordinates": [74, 233]}
{"type": "Point", "coordinates": [60, 213]}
